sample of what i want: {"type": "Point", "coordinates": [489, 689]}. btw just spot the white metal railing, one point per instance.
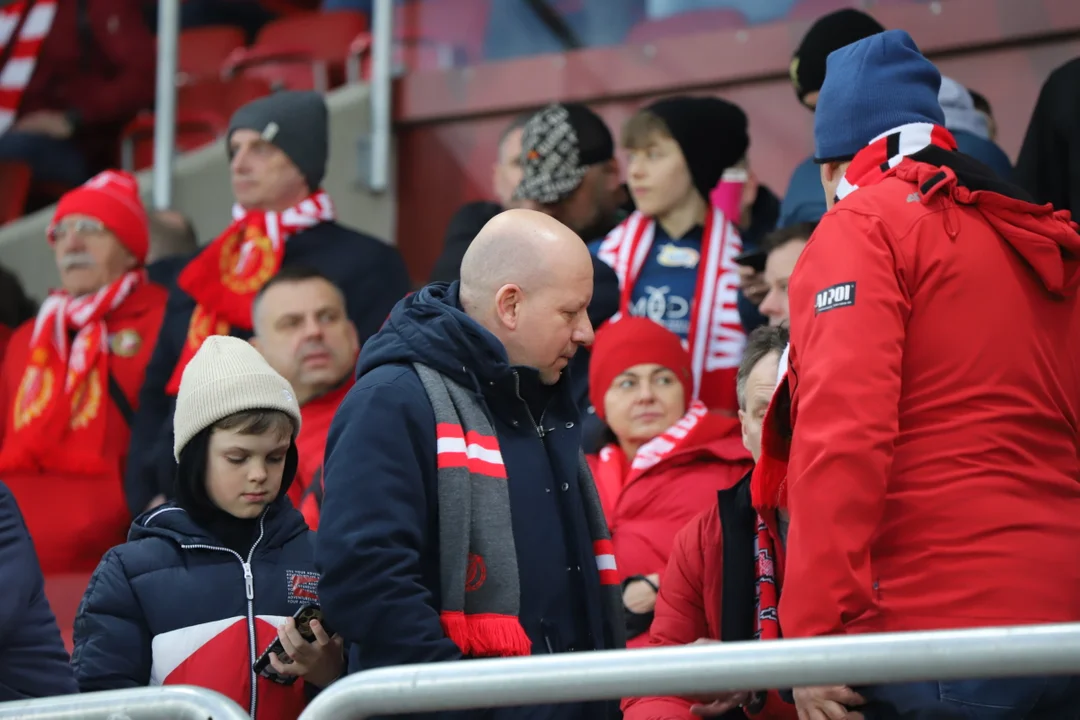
{"type": "Point", "coordinates": [175, 702]}
{"type": "Point", "coordinates": [703, 669]}
{"type": "Point", "coordinates": [168, 48]}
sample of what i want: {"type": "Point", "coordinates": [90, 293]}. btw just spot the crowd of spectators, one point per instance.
{"type": "Point", "coordinates": [635, 406]}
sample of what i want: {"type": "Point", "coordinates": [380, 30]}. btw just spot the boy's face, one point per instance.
{"type": "Point", "coordinates": [244, 472]}
{"type": "Point", "coordinates": [658, 177]}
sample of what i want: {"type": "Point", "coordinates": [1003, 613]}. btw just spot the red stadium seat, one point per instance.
{"type": "Point", "coordinates": [301, 52]}
{"type": "Point", "coordinates": [204, 109]}
{"type": "Point", "coordinates": [203, 50]}
{"type": "Point", "coordinates": [15, 179]}
{"type": "Point", "coordinates": [687, 23]}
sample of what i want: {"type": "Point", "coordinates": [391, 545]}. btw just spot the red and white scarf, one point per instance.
{"type": "Point", "coordinates": [224, 278]}
{"type": "Point", "coordinates": [875, 161]}
{"type": "Point", "coordinates": [58, 419]}
{"type": "Point", "coordinates": [16, 73]}
{"type": "Point", "coordinates": [716, 337]}
{"type": "Point", "coordinates": [612, 473]}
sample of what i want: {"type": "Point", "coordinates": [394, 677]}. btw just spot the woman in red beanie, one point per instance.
{"type": "Point", "coordinates": [666, 459]}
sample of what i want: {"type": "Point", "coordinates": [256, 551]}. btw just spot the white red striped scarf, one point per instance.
{"type": "Point", "coordinates": [57, 422]}
{"type": "Point", "coordinates": [16, 73]}
{"type": "Point", "coordinates": [871, 164]}
{"type": "Point", "coordinates": [716, 337]}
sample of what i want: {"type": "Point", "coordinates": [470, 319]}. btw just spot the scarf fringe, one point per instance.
{"type": "Point", "coordinates": [486, 635]}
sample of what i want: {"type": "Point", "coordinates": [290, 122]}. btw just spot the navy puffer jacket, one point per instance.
{"type": "Point", "coordinates": [174, 606]}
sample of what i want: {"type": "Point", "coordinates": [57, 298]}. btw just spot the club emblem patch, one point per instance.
{"type": "Point", "coordinates": [837, 296]}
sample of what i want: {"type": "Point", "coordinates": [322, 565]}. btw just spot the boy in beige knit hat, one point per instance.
{"type": "Point", "coordinates": [207, 582]}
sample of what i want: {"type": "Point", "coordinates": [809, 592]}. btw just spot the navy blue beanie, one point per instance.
{"type": "Point", "coordinates": [872, 86]}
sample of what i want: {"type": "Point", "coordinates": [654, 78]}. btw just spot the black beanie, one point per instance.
{"type": "Point", "coordinates": [190, 486]}
{"type": "Point", "coordinates": [710, 132]}
{"type": "Point", "coordinates": [831, 32]}
{"type": "Point", "coordinates": [296, 122]}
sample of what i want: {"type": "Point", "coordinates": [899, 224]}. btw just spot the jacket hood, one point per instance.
{"type": "Point", "coordinates": [1045, 238]}
{"type": "Point", "coordinates": [429, 326]}
{"type": "Point", "coordinates": [280, 522]}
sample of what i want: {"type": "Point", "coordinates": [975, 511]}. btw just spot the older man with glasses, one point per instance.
{"type": "Point", "coordinates": [71, 377]}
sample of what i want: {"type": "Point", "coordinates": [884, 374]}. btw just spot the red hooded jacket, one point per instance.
{"type": "Point", "coordinates": [933, 478]}
{"type": "Point", "coordinates": [668, 483]}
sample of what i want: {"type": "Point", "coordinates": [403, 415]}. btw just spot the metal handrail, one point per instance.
{"type": "Point", "coordinates": [703, 669]}
{"type": "Point", "coordinates": [176, 702]}
{"type": "Point", "coordinates": [168, 48]}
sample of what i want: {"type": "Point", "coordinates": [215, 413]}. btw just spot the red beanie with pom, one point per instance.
{"type": "Point", "coordinates": [634, 341]}
{"type": "Point", "coordinates": [113, 198]}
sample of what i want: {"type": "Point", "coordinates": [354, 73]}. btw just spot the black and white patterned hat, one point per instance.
{"type": "Point", "coordinates": [558, 145]}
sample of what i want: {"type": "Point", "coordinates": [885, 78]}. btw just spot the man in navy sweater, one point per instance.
{"type": "Point", "coordinates": [419, 565]}
{"type": "Point", "coordinates": [278, 147]}
{"type": "Point", "coordinates": [34, 663]}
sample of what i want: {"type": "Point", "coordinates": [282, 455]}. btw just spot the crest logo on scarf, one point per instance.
{"type": "Point", "coordinates": [203, 325]}
{"type": "Point", "coordinates": [247, 260]}
{"type": "Point", "coordinates": [86, 401]}
{"type": "Point", "coordinates": [35, 390]}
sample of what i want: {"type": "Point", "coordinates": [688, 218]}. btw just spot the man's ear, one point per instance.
{"type": "Point", "coordinates": [508, 305]}
{"type": "Point", "coordinates": [612, 177]}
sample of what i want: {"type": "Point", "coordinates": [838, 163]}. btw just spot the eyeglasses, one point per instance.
{"type": "Point", "coordinates": [79, 226]}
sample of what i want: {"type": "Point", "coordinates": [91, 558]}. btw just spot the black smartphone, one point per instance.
{"type": "Point", "coordinates": [303, 618]}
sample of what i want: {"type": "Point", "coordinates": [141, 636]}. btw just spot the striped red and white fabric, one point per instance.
{"type": "Point", "coordinates": [716, 338]}
{"type": "Point", "coordinates": [605, 562]}
{"type": "Point", "coordinates": [479, 453]}
{"type": "Point", "coordinates": [17, 71]}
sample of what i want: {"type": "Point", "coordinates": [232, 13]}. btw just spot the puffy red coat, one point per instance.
{"type": "Point", "coordinates": [74, 519]}
{"type": "Point", "coordinates": [934, 480]}
{"type": "Point", "coordinates": [655, 501]}
{"type": "Point", "coordinates": [688, 609]}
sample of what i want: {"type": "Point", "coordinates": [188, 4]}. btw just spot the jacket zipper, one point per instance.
{"type": "Point", "coordinates": [538, 426]}
{"type": "Point", "coordinates": [249, 592]}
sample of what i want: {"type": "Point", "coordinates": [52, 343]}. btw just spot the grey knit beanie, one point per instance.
{"type": "Point", "coordinates": [296, 122]}
{"type": "Point", "coordinates": [226, 376]}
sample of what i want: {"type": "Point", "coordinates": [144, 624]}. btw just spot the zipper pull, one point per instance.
{"type": "Point", "coordinates": [540, 431]}
{"type": "Point", "coordinates": [249, 582]}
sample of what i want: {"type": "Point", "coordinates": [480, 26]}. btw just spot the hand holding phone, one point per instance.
{"type": "Point", "coordinates": [306, 647]}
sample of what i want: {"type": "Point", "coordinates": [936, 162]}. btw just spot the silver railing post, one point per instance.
{"type": "Point", "coordinates": [176, 702]}
{"type": "Point", "coordinates": [382, 41]}
{"type": "Point", "coordinates": [703, 669]}
{"type": "Point", "coordinates": [168, 35]}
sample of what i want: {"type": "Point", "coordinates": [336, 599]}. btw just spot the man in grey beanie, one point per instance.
{"type": "Point", "coordinates": [278, 147]}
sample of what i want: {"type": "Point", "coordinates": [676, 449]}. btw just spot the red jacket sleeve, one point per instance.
{"type": "Point", "coordinates": [120, 33]}
{"type": "Point", "coordinates": [848, 316]}
{"type": "Point", "coordinates": [679, 617]}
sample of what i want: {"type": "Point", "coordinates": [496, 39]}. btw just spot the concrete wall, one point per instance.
{"type": "Point", "coordinates": [201, 191]}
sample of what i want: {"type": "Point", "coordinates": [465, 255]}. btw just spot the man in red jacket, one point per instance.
{"type": "Point", "coordinates": [88, 68]}
{"type": "Point", "coordinates": [71, 377]}
{"type": "Point", "coordinates": [933, 477]}
{"type": "Point", "coordinates": [304, 332]}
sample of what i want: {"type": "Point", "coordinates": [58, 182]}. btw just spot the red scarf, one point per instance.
{"type": "Point", "coordinates": [766, 584]}
{"type": "Point", "coordinates": [716, 337]}
{"type": "Point", "coordinates": [16, 73]}
{"type": "Point", "coordinates": [57, 421]}
{"type": "Point", "coordinates": [877, 160]}
{"type": "Point", "coordinates": [224, 278]}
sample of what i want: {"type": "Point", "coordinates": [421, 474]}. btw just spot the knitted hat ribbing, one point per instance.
{"type": "Point", "coordinates": [226, 376]}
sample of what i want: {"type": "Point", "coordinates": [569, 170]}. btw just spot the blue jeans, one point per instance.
{"type": "Point", "coordinates": [50, 159]}
{"type": "Point", "coordinates": [1037, 698]}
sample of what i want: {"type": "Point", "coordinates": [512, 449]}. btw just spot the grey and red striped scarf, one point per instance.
{"type": "Point", "coordinates": [477, 559]}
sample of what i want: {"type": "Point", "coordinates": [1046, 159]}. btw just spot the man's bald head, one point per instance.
{"type": "Point", "coordinates": [527, 278]}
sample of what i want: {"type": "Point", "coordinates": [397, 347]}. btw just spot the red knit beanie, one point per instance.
{"type": "Point", "coordinates": [113, 198]}
{"type": "Point", "coordinates": [634, 341]}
